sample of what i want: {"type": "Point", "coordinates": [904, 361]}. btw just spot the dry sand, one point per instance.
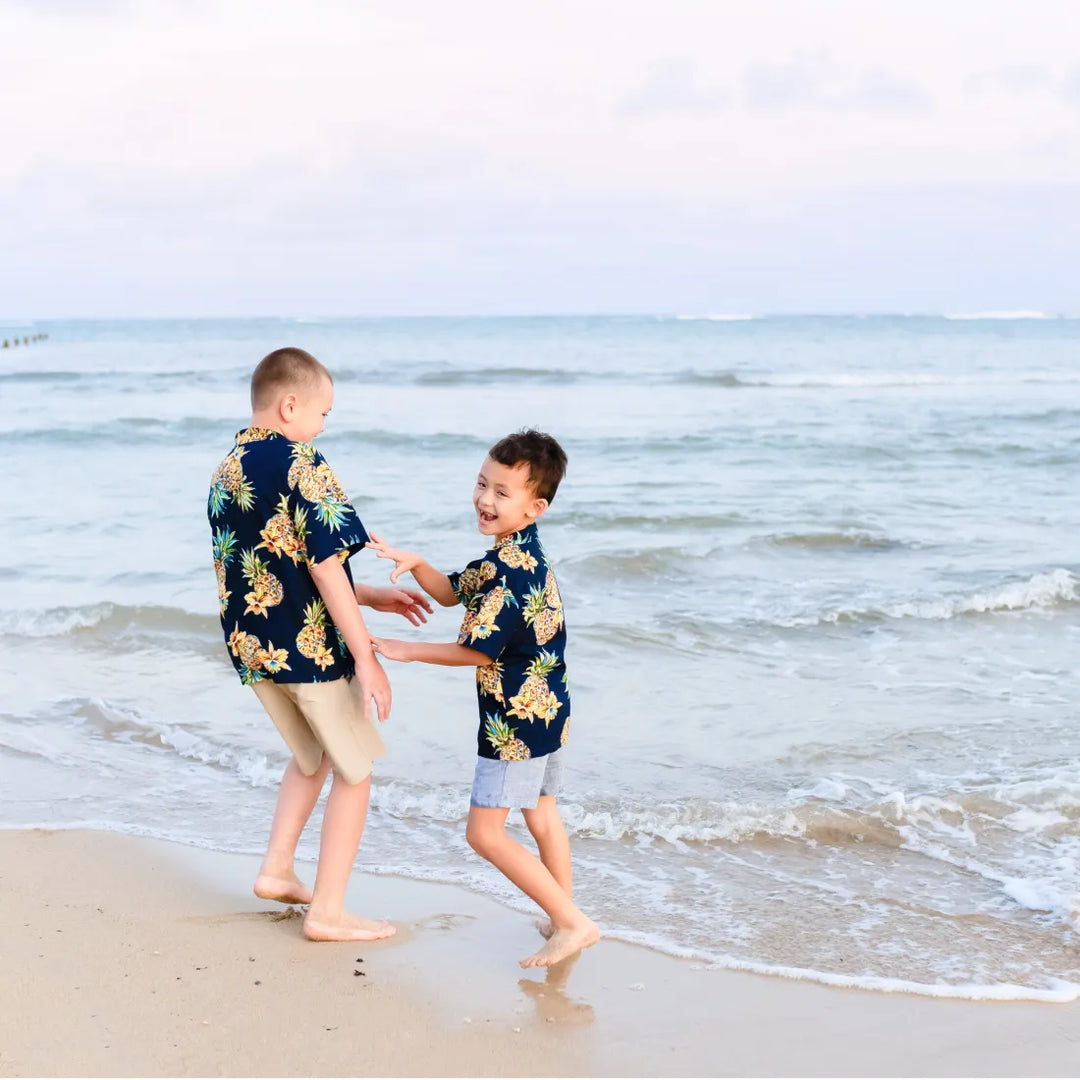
{"type": "Point", "coordinates": [126, 957]}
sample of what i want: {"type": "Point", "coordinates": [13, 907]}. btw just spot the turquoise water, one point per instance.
{"type": "Point", "coordinates": [822, 596]}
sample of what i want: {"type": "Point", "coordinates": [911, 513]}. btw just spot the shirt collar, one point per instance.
{"type": "Point", "coordinates": [522, 536]}
{"type": "Point", "coordinates": [256, 434]}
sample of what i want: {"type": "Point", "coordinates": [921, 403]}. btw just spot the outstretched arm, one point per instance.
{"type": "Point", "coordinates": [449, 654]}
{"type": "Point", "coordinates": [434, 582]}
{"type": "Point", "coordinates": [406, 602]}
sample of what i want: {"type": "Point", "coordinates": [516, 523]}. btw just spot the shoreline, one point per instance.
{"type": "Point", "coordinates": [155, 959]}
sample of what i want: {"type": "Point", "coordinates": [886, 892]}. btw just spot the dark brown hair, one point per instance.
{"type": "Point", "coordinates": [281, 370]}
{"type": "Point", "coordinates": [544, 456]}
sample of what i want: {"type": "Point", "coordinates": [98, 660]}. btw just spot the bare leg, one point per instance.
{"type": "Point", "coordinates": [297, 797]}
{"type": "Point", "coordinates": [486, 834]}
{"type": "Point", "coordinates": [548, 831]}
{"type": "Point", "coordinates": [343, 825]}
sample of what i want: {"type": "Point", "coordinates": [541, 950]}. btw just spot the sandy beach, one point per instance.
{"type": "Point", "coordinates": [124, 957]}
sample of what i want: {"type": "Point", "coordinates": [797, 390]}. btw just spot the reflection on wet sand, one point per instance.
{"type": "Point", "coordinates": [553, 1004]}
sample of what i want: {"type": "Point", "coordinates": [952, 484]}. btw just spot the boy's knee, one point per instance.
{"type": "Point", "coordinates": [539, 827]}
{"type": "Point", "coordinates": [474, 837]}
{"type": "Point", "coordinates": [481, 838]}
{"type": "Point", "coordinates": [542, 821]}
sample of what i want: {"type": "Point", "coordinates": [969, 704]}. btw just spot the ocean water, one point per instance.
{"type": "Point", "coordinates": [823, 600]}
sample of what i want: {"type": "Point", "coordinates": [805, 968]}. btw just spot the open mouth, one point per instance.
{"type": "Point", "coordinates": [485, 518]}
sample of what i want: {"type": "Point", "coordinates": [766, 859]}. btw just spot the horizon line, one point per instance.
{"type": "Point", "coordinates": [1001, 314]}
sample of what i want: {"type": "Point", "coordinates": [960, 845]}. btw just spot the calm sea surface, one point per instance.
{"type": "Point", "coordinates": [823, 602]}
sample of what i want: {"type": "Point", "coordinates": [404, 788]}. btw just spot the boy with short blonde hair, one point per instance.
{"type": "Point", "coordinates": [514, 633]}
{"type": "Point", "coordinates": [283, 530]}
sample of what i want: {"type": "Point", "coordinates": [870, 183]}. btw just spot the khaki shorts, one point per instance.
{"type": "Point", "coordinates": [329, 717]}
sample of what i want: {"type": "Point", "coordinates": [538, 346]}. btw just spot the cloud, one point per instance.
{"type": "Point", "coordinates": [1071, 89]}
{"type": "Point", "coordinates": [815, 81]}
{"type": "Point", "coordinates": [363, 248]}
{"type": "Point", "coordinates": [1026, 80]}
{"type": "Point", "coordinates": [322, 155]}
{"type": "Point", "coordinates": [1017, 79]}
{"type": "Point", "coordinates": [879, 91]}
{"type": "Point", "coordinates": [672, 87]}
{"type": "Point", "coordinates": [82, 9]}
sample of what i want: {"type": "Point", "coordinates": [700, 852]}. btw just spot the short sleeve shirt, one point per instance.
{"type": "Point", "coordinates": [276, 507]}
{"type": "Point", "coordinates": [514, 614]}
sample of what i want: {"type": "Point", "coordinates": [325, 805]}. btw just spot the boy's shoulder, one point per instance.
{"type": "Point", "coordinates": [263, 448]}
{"type": "Point", "coordinates": [522, 551]}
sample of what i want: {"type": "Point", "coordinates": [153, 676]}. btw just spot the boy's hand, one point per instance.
{"type": "Point", "coordinates": [404, 561]}
{"type": "Point", "coordinates": [393, 649]}
{"type": "Point", "coordinates": [408, 603]}
{"type": "Point", "coordinates": [375, 684]}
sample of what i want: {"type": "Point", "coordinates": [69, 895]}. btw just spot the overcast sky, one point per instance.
{"type": "Point", "coordinates": [189, 157]}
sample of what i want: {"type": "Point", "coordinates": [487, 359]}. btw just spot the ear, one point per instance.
{"type": "Point", "coordinates": [287, 407]}
{"type": "Point", "coordinates": [536, 508]}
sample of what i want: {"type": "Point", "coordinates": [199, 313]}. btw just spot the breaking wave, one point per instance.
{"type": "Point", "coordinates": [1045, 591]}
{"type": "Point", "coordinates": [108, 621]}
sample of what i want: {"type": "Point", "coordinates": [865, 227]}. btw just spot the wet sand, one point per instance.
{"type": "Point", "coordinates": [123, 957]}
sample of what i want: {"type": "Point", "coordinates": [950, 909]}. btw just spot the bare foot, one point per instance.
{"type": "Point", "coordinates": [545, 928]}
{"type": "Point", "coordinates": [290, 890]}
{"type": "Point", "coordinates": [348, 928]}
{"type": "Point", "coordinates": [564, 943]}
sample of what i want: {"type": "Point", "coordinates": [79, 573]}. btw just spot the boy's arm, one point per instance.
{"type": "Point", "coordinates": [337, 593]}
{"type": "Point", "coordinates": [434, 582]}
{"type": "Point", "coordinates": [407, 602]}
{"type": "Point", "coordinates": [449, 654]}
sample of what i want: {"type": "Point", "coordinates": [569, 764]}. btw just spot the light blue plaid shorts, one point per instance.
{"type": "Point", "coordinates": [516, 785]}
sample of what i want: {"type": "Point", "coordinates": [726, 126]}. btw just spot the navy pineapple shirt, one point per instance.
{"type": "Point", "coordinates": [514, 614]}
{"type": "Point", "coordinates": [274, 507]}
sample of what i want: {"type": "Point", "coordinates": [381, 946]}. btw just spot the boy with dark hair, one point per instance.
{"type": "Point", "coordinates": [515, 635]}
{"type": "Point", "coordinates": [283, 529]}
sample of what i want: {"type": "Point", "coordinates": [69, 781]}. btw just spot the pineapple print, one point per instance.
{"type": "Point", "coordinates": [247, 648]}
{"type": "Point", "coordinates": [565, 733]}
{"type": "Point", "coordinates": [249, 651]}
{"type": "Point", "coordinates": [314, 632]}
{"type": "Point", "coordinates": [236, 639]}
{"type": "Point", "coordinates": [255, 434]}
{"type": "Point", "coordinates": [492, 604]}
{"type": "Point", "coordinates": [548, 623]}
{"type": "Point", "coordinates": [303, 462]}
{"type": "Point", "coordinates": [515, 556]}
{"type": "Point", "coordinates": [501, 737]}
{"type": "Point", "coordinates": [224, 542]}
{"type": "Point", "coordinates": [229, 482]}
{"type": "Point", "coordinates": [469, 623]}
{"type": "Point", "coordinates": [272, 660]}
{"type": "Point", "coordinates": [254, 658]}
{"type": "Point", "coordinates": [319, 485]}
{"type": "Point", "coordinates": [489, 680]}
{"type": "Point", "coordinates": [311, 641]}
{"type": "Point", "coordinates": [544, 616]}
{"type": "Point", "coordinates": [535, 700]}
{"type": "Point", "coordinates": [473, 577]}
{"type": "Point", "coordinates": [266, 591]}
{"type": "Point", "coordinates": [286, 532]}
{"type": "Point", "coordinates": [481, 623]}
{"type": "Point", "coordinates": [551, 587]}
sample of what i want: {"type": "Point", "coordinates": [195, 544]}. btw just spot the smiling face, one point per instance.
{"type": "Point", "coordinates": [504, 500]}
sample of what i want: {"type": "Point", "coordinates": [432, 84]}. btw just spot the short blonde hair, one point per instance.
{"type": "Point", "coordinates": [284, 369]}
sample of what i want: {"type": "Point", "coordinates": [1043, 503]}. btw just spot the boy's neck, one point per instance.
{"type": "Point", "coordinates": [266, 421]}
{"type": "Point", "coordinates": [501, 538]}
